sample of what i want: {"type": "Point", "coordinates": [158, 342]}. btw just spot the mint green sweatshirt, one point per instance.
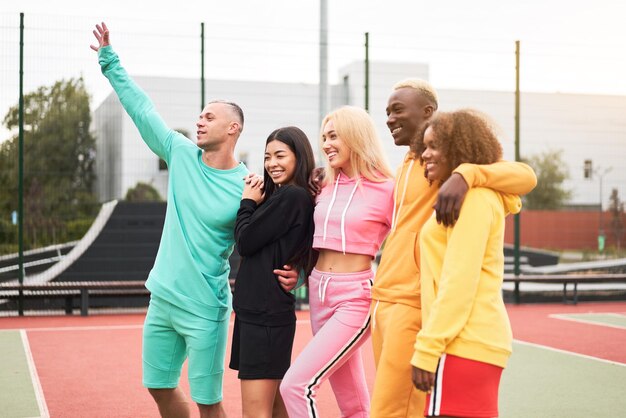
{"type": "Point", "coordinates": [191, 268]}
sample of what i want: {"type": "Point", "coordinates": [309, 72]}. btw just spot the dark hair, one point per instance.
{"type": "Point", "coordinates": [299, 144]}
{"type": "Point", "coordinates": [464, 136]}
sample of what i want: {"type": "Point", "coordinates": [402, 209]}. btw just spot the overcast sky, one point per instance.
{"type": "Point", "coordinates": [570, 46]}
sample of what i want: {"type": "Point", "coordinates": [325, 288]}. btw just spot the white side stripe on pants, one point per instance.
{"type": "Point", "coordinates": [310, 392]}
{"type": "Point", "coordinates": [434, 406]}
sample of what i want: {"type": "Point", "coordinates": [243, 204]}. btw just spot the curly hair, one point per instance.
{"type": "Point", "coordinates": [464, 136]}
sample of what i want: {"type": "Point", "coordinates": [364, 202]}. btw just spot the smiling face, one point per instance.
{"type": "Point", "coordinates": [436, 166]}
{"type": "Point", "coordinates": [280, 162]}
{"type": "Point", "coordinates": [407, 111]}
{"type": "Point", "coordinates": [337, 152]}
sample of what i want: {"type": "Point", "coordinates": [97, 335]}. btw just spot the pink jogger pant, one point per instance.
{"type": "Point", "coordinates": [340, 305]}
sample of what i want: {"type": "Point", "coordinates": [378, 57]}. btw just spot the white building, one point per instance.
{"type": "Point", "coordinates": [585, 127]}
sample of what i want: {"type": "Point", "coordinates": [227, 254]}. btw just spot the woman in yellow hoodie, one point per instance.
{"type": "Point", "coordinates": [466, 337]}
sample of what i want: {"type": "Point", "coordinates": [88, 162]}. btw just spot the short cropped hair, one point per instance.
{"type": "Point", "coordinates": [422, 86]}
{"type": "Point", "coordinates": [236, 108]}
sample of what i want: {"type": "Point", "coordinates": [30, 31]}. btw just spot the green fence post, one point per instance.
{"type": "Point", "coordinates": [516, 246]}
{"type": "Point", "coordinates": [20, 175]}
{"type": "Point", "coordinates": [201, 66]}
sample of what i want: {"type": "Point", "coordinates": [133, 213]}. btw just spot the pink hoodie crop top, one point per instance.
{"type": "Point", "coordinates": [353, 215]}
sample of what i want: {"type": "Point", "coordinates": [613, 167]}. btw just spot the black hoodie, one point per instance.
{"type": "Point", "coordinates": [267, 237]}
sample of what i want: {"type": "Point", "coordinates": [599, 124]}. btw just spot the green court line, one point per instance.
{"type": "Point", "coordinates": [541, 382]}
{"type": "Point", "coordinates": [610, 319]}
{"type": "Point", "coordinates": [17, 393]}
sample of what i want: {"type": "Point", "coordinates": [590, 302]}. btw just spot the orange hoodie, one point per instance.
{"type": "Point", "coordinates": [398, 275]}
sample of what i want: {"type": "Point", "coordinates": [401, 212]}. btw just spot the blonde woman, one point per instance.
{"type": "Point", "coordinates": [352, 217]}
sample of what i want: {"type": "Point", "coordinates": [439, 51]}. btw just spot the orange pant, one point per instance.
{"type": "Point", "coordinates": [394, 327]}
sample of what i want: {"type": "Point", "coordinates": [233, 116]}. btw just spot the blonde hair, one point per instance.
{"type": "Point", "coordinates": [356, 129]}
{"type": "Point", "coordinates": [422, 86]}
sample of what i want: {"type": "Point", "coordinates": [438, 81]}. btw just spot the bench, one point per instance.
{"type": "Point", "coordinates": [509, 259]}
{"type": "Point", "coordinates": [71, 290]}
{"type": "Point", "coordinates": [565, 279]}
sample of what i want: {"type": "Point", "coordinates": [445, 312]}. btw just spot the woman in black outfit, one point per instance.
{"type": "Point", "coordinates": [274, 228]}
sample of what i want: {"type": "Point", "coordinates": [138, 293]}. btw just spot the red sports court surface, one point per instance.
{"type": "Point", "coordinates": [91, 366]}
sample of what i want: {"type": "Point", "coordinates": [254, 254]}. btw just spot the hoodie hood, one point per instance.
{"type": "Point", "coordinates": [342, 178]}
{"type": "Point", "coordinates": [512, 203]}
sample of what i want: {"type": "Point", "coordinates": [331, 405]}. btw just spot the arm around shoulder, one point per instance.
{"type": "Point", "coordinates": [504, 176]}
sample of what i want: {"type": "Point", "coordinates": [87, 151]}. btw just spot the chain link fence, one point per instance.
{"type": "Point", "coordinates": [81, 150]}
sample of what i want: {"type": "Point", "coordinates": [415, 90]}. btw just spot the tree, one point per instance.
{"type": "Point", "coordinates": [143, 192]}
{"type": "Point", "coordinates": [616, 208]}
{"type": "Point", "coordinates": [59, 154]}
{"type": "Point", "coordinates": [551, 172]}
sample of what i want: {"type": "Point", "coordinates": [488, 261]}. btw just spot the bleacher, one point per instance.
{"type": "Point", "coordinates": [122, 251]}
{"type": "Point", "coordinates": [126, 247]}
{"type": "Point", "coordinates": [35, 261]}
{"type": "Point", "coordinates": [108, 272]}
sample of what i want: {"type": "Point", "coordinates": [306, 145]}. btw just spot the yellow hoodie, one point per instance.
{"type": "Point", "coordinates": [398, 275]}
{"type": "Point", "coordinates": [463, 313]}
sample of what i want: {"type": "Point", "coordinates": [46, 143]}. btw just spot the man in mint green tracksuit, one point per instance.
{"type": "Point", "coordinates": [190, 295]}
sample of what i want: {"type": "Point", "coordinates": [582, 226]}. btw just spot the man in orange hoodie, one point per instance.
{"type": "Point", "coordinates": [396, 306]}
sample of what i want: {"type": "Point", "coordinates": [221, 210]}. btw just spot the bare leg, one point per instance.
{"type": "Point", "coordinates": [258, 398]}
{"type": "Point", "coordinates": [215, 410]}
{"type": "Point", "coordinates": [279, 409]}
{"type": "Point", "coordinates": [172, 403]}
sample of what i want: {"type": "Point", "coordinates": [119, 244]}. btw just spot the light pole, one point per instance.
{"type": "Point", "coordinates": [589, 171]}
{"type": "Point", "coordinates": [601, 172]}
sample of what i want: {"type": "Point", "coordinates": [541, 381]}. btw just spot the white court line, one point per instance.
{"type": "Point", "coordinates": [566, 317]}
{"type": "Point", "coordinates": [90, 328]}
{"type": "Point", "coordinates": [545, 347]}
{"type": "Point", "coordinates": [34, 377]}
{"type": "Point", "coordinates": [107, 327]}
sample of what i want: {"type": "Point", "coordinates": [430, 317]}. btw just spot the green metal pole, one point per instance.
{"type": "Point", "coordinates": [517, 154]}
{"type": "Point", "coordinates": [201, 66]}
{"type": "Point", "coordinates": [20, 175]}
{"type": "Point", "coordinates": [367, 71]}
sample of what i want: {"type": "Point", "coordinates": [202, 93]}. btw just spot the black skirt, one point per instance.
{"type": "Point", "coordinates": [261, 352]}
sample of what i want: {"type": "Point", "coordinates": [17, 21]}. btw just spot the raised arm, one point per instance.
{"type": "Point", "coordinates": [101, 32]}
{"type": "Point", "coordinates": [134, 100]}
